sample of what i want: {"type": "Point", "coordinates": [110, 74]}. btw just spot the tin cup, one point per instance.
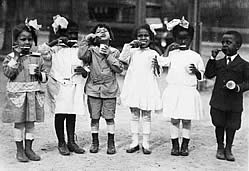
{"type": "Point", "coordinates": [231, 85]}
{"type": "Point", "coordinates": [32, 68]}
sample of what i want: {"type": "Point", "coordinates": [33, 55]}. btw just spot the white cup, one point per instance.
{"type": "Point", "coordinates": [101, 47]}
{"type": "Point", "coordinates": [231, 85]}
{"type": "Point", "coordinates": [32, 68]}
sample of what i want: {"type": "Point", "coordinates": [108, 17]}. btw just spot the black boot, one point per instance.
{"type": "Point", "coordinates": [219, 132]}
{"type": "Point", "coordinates": [110, 144]}
{"type": "Point", "coordinates": [229, 142]}
{"type": "Point", "coordinates": [59, 129]}
{"type": "Point", "coordinates": [175, 147]}
{"type": "Point", "coordinates": [184, 147]}
{"type": "Point", "coordinates": [20, 153]}
{"type": "Point", "coordinates": [95, 143]}
{"type": "Point", "coordinates": [70, 125]}
{"type": "Point", "coordinates": [29, 152]}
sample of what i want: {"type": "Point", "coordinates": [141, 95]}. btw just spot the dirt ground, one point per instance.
{"type": "Point", "coordinates": [202, 144]}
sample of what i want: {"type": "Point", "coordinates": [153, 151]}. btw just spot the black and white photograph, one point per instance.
{"type": "Point", "coordinates": [124, 85]}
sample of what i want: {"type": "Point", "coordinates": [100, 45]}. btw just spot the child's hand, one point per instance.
{"type": "Point", "coordinates": [38, 73]}
{"type": "Point", "coordinates": [104, 49]}
{"type": "Point", "coordinates": [232, 86]}
{"type": "Point", "coordinates": [215, 52]}
{"type": "Point", "coordinates": [156, 67]}
{"type": "Point", "coordinates": [80, 70]}
{"type": "Point", "coordinates": [92, 36]}
{"type": "Point", "coordinates": [63, 39]}
{"type": "Point", "coordinates": [17, 51]}
{"type": "Point", "coordinates": [193, 69]}
{"type": "Point", "coordinates": [135, 43]}
{"type": "Point", "coordinates": [173, 46]}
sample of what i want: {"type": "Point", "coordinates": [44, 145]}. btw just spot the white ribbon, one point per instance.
{"type": "Point", "coordinates": [181, 22]}
{"type": "Point", "coordinates": [33, 24]}
{"type": "Point", "coordinates": [59, 21]}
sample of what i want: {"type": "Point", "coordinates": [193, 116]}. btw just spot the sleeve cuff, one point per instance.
{"type": "Point", "coordinates": [212, 58]}
{"type": "Point", "coordinates": [44, 77]}
{"type": "Point", "coordinates": [12, 63]}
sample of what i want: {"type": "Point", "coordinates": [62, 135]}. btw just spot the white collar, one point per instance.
{"type": "Point", "coordinates": [232, 57]}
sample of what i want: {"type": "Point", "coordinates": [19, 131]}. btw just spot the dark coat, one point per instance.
{"type": "Point", "coordinates": [238, 71]}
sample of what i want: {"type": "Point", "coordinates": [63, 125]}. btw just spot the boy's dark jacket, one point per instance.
{"type": "Point", "coordinates": [238, 71]}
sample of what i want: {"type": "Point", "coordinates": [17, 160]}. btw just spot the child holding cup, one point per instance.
{"type": "Point", "coordinates": [232, 80]}
{"type": "Point", "coordinates": [181, 100]}
{"type": "Point", "coordinates": [66, 83]}
{"type": "Point", "coordinates": [101, 86]}
{"type": "Point", "coordinates": [25, 98]}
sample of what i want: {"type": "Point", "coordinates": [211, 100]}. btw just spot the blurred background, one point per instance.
{"type": "Point", "coordinates": [210, 17]}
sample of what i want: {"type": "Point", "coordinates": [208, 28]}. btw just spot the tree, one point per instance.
{"type": "Point", "coordinates": [14, 14]}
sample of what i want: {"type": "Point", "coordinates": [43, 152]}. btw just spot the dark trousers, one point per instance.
{"type": "Point", "coordinates": [225, 122]}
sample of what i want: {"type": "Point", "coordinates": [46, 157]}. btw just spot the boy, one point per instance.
{"type": "Point", "coordinates": [232, 79]}
{"type": "Point", "coordinates": [101, 86]}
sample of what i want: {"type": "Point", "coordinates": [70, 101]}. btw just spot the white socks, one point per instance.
{"type": "Point", "coordinates": [146, 134]}
{"type": "Point", "coordinates": [134, 124]}
{"type": "Point", "coordinates": [174, 131]}
{"type": "Point", "coordinates": [111, 129]}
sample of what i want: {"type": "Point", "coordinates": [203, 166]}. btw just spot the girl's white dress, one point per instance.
{"type": "Point", "coordinates": [65, 89]}
{"type": "Point", "coordinates": [181, 100]}
{"type": "Point", "coordinates": [140, 88]}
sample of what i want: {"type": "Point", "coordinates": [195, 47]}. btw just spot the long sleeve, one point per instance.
{"type": "Point", "coordinates": [125, 55]}
{"type": "Point", "coordinates": [10, 67]}
{"type": "Point", "coordinates": [244, 86]}
{"type": "Point", "coordinates": [84, 53]}
{"type": "Point", "coordinates": [114, 62]}
{"type": "Point", "coordinates": [201, 67]}
{"type": "Point", "coordinates": [210, 71]}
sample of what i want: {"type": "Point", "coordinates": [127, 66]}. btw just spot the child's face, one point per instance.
{"type": "Point", "coordinates": [24, 39]}
{"type": "Point", "coordinates": [144, 38]}
{"type": "Point", "coordinates": [103, 33]}
{"type": "Point", "coordinates": [229, 44]}
{"type": "Point", "coordinates": [72, 38]}
{"type": "Point", "coordinates": [183, 39]}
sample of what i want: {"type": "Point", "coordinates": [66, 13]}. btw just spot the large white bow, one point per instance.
{"type": "Point", "coordinates": [59, 21]}
{"type": "Point", "coordinates": [33, 24]}
{"type": "Point", "coordinates": [181, 22]}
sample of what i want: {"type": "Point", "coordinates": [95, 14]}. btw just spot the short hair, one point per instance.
{"type": "Point", "coordinates": [18, 29]}
{"type": "Point", "coordinates": [179, 28]}
{"type": "Point", "coordinates": [146, 27]}
{"type": "Point", "coordinates": [237, 35]}
{"type": "Point", "coordinates": [103, 26]}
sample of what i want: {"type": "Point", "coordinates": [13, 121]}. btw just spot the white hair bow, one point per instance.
{"type": "Point", "coordinates": [33, 24]}
{"type": "Point", "coordinates": [181, 22]}
{"type": "Point", "coordinates": [59, 21]}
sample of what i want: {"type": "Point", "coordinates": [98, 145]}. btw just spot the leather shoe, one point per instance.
{"type": "Point", "coordinates": [63, 149]}
{"type": "Point", "coordinates": [146, 151]}
{"type": "Point", "coordinates": [220, 154]}
{"type": "Point", "coordinates": [133, 149]}
{"type": "Point", "coordinates": [229, 156]}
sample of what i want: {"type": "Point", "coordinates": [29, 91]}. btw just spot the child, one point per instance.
{"type": "Point", "coordinates": [181, 100]}
{"type": "Point", "coordinates": [232, 79]}
{"type": "Point", "coordinates": [65, 84]}
{"type": "Point", "coordinates": [25, 98]}
{"type": "Point", "coordinates": [140, 90]}
{"type": "Point", "coordinates": [101, 86]}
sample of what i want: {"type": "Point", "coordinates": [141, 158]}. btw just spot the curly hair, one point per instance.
{"type": "Point", "coordinates": [18, 29]}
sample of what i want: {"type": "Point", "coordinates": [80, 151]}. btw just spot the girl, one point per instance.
{"type": "Point", "coordinates": [65, 84]}
{"type": "Point", "coordinates": [181, 100]}
{"type": "Point", "coordinates": [101, 85]}
{"type": "Point", "coordinates": [140, 90]}
{"type": "Point", "coordinates": [25, 98]}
